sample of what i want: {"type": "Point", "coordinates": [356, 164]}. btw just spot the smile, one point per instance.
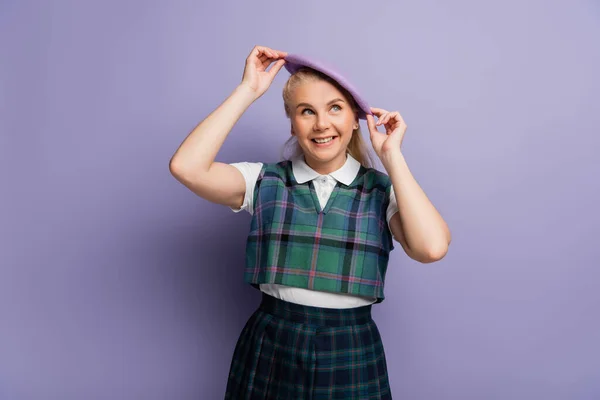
{"type": "Point", "coordinates": [324, 141]}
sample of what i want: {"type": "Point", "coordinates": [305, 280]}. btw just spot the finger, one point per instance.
{"type": "Point", "coordinates": [269, 57]}
{"type": "Point", "coordinates": [255, 52]}
{"type": "Point", "coordinates": [393, 113]}
{"type": "Point", "coordinates": [378, 111]}
{"type": "Point", "coordinates": [266, 60]}
{"type": "Point", "coordinates": [382, 118]}
{"type": "Point", "coordinates": [395, 116]}
{"type": "Point", "coordinates": [391, 124]}
{"type": "Point", "coordinates": [375, 111]}
{"type": "Point", "coordinates": [253, 55]}
{"type": "Point", "coordinates": [257, 55]}
{"type": "Point", "coordinates": [269, 54]}
{"type": "Point", "coordinates": [396, 121]}
{"type": "Point", "coordinates": [274, 54]}
{"type": "Point", "coordinates": [260, 52]}
{"type": "Point", "coordinates": [279, 53]}
{"type": "Point", "coordinates": [276, 67]}
{"type": "Point", "coordinates": [266, 51]}
{"type": "Point", "coordinates": [371, 124]}
{"type": "Point", "coordinates": [388, 117]}
{"type": "Point", "coordinates": [401, 119]}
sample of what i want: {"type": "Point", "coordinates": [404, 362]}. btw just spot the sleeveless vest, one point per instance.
{"type": "Point", "coordinates": [342, 248]}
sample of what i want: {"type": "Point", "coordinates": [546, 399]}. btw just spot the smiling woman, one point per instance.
{"type": "Point", "coordinates": [320, 108]}
{"type": "Point", "coordinates": [320, 235]}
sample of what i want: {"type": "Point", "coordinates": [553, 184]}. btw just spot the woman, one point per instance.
{"type": "Point", "coordinates": [321, 232]}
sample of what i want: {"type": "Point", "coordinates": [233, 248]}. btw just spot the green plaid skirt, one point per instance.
{"type": "Point", "coordinates": [291, 351]}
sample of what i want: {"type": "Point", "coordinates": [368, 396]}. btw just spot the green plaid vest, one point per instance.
{"type": "Point", "coordinates": [343, 248]}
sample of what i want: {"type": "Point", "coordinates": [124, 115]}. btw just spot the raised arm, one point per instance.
{"type": "Point", "coordinates": [194, 165]}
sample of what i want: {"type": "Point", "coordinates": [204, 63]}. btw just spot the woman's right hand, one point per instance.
{"type": "Point", "coordinates": [256, 77]}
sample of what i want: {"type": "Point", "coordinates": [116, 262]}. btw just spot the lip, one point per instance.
{"type": "Point", "coordinates": [324, 137]}
{"type": "Point", "coordinates": [324, 144]}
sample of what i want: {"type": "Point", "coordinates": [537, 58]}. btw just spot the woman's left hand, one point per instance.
{"type": "Point", "coordinates": [395, 127]}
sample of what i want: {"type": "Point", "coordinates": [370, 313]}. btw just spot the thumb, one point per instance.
{"type": "Point", "coordinates": [276, 67]}
{"type": "Point", "coordinates": [371, 124]}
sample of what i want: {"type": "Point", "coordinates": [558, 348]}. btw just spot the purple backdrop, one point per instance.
{"type": "Point", "coordinates": [117, 282]}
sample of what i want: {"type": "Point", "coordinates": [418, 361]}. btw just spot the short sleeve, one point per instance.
{"type": "Point", "coordinates": [250, 171]}
{"type": "Point", "coordinates": [392, 207]}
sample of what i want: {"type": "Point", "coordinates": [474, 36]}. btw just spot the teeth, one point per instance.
{"type": "Point", "coordinates": [323, 140]}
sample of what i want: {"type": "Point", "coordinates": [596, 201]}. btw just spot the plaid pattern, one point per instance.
{"type": "Point", "coordinates": [291, 351]}
{"type": "Point", "coordinates": [343, 248]}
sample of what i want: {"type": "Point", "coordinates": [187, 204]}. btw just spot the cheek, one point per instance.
{"type": "Point", "coordinates": [348, 124]}
{"type": "Point", "coordinates": [300, 127]}
{"type": "Point", "coordinates": [348, 119]}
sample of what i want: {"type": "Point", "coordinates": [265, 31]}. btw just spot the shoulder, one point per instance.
{"type": "Point", "coordinates": [281, 169]}
{"type": "Point", "coordinates": [250, 170]}
{"type": "Point", "coordinates": [247, 166]}
{"type": "Point", "coordinates": [253, 171]}
{"type": "Point", "coordinates": [373, 177]}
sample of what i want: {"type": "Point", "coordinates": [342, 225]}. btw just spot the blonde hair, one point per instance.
{"type": "Point", "coordinates": [356, 148]}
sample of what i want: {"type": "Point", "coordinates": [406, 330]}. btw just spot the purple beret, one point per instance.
{"type": "Point", "coordinates": [293, 62]}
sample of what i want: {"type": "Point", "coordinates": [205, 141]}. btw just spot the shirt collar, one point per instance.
{"type": "Point", "coordinates": [346, 174]}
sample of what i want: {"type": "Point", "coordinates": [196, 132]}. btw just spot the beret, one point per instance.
{"type": "Point", "coordinates": [293, 62]}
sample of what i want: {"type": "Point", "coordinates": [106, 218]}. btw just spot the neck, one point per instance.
{"type": "Point", "coordinates": [326, 167]}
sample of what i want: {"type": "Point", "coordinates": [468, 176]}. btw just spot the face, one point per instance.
{"type": "Point", "coordinates": [319, 111]}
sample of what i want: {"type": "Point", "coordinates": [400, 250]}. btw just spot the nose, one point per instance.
{"type": "Point", "coordinates": [322, 122]}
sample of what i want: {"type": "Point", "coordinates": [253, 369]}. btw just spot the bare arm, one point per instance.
{"type": "Point", "coordinates": [419, 227]}
{"type": "Point", "coordinates": [193, 164]}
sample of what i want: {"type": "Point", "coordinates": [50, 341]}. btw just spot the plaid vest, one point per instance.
{"type": "Point", "coordinates": [343, 248]}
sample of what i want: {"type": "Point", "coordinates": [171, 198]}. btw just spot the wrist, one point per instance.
{"type": "Point", "coordinates": [246, 92]}
{"type": "Point", "coordinates": [391, 156]}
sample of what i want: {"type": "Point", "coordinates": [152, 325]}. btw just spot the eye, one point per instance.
{"type": "Point", "coordinates": [304, 111]}
{"type": "Point", "coordinates": [336, 106]}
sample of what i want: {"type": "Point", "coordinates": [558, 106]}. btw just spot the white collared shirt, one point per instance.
{"type": "Point", "coordinates": [324, 185]}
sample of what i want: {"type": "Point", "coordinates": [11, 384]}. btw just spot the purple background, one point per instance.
{"type": "Point", "coordinates": [117, 282]}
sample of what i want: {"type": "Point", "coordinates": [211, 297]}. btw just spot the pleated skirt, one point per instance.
{"type": "Point", "coordinates": [291, 351]}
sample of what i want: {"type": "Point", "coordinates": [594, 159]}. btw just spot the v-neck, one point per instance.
{"type": "Point", "coordinates": [316, 201]}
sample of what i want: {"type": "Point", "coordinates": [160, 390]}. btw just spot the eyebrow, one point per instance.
{"type": "Point", "coordinates": [331, 102]}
